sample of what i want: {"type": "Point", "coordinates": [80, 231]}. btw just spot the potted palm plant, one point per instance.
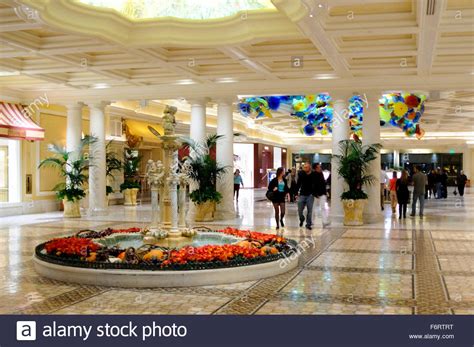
{"type": "Point", "coordinates": [131, 184]}
{"type": "Point", "coordinates": [112, 164]}
{"type": "Point", "coordinates": [204, 172]}
{"type": "Point", "coordinates": [354, 163]}
{"type": "Point", "coordinates": [73, 167]}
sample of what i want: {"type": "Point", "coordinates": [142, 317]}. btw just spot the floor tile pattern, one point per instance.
{"type": "Point", "coordinates": [413, 266]}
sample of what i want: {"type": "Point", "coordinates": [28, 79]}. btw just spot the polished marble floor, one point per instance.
{"type": "Point", "coordinates": [413, 266]}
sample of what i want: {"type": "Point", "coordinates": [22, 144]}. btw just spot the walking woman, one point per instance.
{"type": "Point", "coordinates": [393, 192]}
{"type": "Point", "coordinates": [237, 182]}
{"type": "Point", "coordinates": [403, 194]}
{"type": "Point", "coordinates": [279, 187]}
{"type": "Point", "coordinates": [461, 182]}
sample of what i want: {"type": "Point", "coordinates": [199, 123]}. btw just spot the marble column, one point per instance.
{"type": "Point", "coordinates": [225, 157]}
{"type": "Point", "coordinates": [74, 126]}
{"type": "Point", "coordinates": [198, 119]}
{"type": "Point", "coordinates": [340, 132]}
{"type": "Point", "coordinates": [371, 135]}
{"type": "Point", "coordinates": [396, 158]}
{"type": "Point", "coordinates": [97, 171]}
{"type": "Point", "coordinates": [197, 133]}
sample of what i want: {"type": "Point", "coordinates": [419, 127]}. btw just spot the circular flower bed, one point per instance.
{"type": "Point", "coordinates": [84, 250]}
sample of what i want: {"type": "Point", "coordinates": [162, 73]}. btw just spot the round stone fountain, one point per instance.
{"type": "Point", "coordinates": [169, 181]}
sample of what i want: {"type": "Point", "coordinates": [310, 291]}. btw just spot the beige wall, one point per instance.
{"type": "Point", "coordinates": [54, 122]}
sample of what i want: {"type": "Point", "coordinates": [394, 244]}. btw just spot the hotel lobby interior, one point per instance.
{"type": "Point", "coordinates": [143, 84]}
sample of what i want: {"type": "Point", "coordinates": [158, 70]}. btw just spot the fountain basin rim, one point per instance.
{"type": "Point", "coordinates": [154, 279]}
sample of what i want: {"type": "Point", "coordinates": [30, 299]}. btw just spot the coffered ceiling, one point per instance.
{"type": "Point", "coordinates": [298, 47]}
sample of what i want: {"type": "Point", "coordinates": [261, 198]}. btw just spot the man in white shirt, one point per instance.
{"type": "Point", "coordinates": [383, 181]}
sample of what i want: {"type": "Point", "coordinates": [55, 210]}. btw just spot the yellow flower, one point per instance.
{"type": "Point", "coordinates": [310, 98]}
{"type": "Point", "coordinates": [299, 106]}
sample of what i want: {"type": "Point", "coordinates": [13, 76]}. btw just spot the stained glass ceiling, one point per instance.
{"type": "Point", "coordinates": [186, 9]}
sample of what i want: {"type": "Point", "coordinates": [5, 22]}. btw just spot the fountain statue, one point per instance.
{"type": "Point", "coordinates": [168, 222]}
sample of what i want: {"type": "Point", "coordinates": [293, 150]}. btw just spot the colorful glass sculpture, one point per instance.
{"type": "Point", "coordinates": [314, 110]}
{"type": "Point", "coordinates": [403, 110]}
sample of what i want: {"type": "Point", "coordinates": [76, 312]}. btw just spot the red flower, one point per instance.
{"type": "Point", "coordinates": [254, 235]}
{"type": "Point", "coordinates": [72, 246]}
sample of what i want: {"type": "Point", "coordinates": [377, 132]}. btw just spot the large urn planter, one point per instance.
{"type": "Point", "coordinates": [130, 196]}
{"type": "Point", "coordinates": [72, 209]}
{"type": "Point", "coordinates": [354, 211]}
{"type": "Point", "coordinates": [205, 211]}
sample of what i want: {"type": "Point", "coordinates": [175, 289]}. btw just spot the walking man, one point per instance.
{"type": "Point", "coordinates": [461, 182]}
{"type": "Point", "coordinates": [305, 187]}
{"type": "Point", "coordinates": [320, 192]}
{"type": "Point", "coordinates": [419, 184]}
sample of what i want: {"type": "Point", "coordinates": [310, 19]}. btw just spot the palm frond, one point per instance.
{"type": "Point", "coordinates": [86, 141]}
{"type": "Point", "coordinates": [59, 186]}
{"type": "Point", "coordinates": [211, 140]}
{"type": "Point", "coordinates": [52, 162]}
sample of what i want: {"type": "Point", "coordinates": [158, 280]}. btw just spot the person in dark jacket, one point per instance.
{"type": "Point", "coordinates": [431, 184]}
{"type": "Point", "coordinates": [305, 184]}
{"type": "Point", "coordinates": [279, 187]}
{"type": "Point", "coordinates": [461, 182]}
{"type": "Point", "coordinates": [320, 192]}
{"type": "Point", "coordinates": [403, 194]}
{"type": "Point", "coordinates": [443, 178]}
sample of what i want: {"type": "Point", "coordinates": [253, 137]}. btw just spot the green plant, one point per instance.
{"type": "Point", "coordinates": [354, 163]}
{"type": "Point", "coordinates": [73, 167]}
{"type": "Point", "coordinates": [112, 163]}
{"type": "Point", "coordinates": [204, 170]}
{"type": "Point", "coordinates": [131, 164]}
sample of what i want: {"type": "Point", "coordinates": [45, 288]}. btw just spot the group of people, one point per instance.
{"type": "Point", "coordinates": [308, 185]}
{"type": "Point", "coordinates": [424, 187]}
{"type": "Point", "coordinates": [437, 186]}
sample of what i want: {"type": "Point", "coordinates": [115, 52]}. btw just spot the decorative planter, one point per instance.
{"type": "Point", "coordinates": [130, 196]}
{"type": "Point", "coordinates": [205, 211]}
{"type": "Point", "coordinates": [353, 211]}
{"type": "Point", "coordinates": [72, 209]}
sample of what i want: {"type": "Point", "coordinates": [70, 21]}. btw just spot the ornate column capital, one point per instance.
{"type": "Point", "coordinates": [74, 106]}
{"type": "Point", "coordinates": [97, 104]}
{"type": "Point", "coordinates": [226, 100]}
{"type": "Point", "coordinates": [198, 101]}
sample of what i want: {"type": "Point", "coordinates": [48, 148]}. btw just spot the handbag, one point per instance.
{"type": "Point", "coordinates": [270, 195]}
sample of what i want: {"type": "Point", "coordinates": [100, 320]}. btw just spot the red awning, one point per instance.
{"type": "Point", "coordinates": [15, 123]}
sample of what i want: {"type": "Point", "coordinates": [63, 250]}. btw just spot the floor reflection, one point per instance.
{"type": "Point", "coordinates": [414, 265]}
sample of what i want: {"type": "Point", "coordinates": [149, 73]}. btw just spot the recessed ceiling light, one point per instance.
{"type": "Point", "coordinates": [100, 86]}
{"type": "Point", "coordinates": [320, 5]}
{"type": "Point", "coordinates": [325, 76]}
{"type": "Point", "coordinates": [9, 73]}
{"type": "Point", "coordinates": [225, 80]}
{"type": "Point", "coordinates": [185, 81]}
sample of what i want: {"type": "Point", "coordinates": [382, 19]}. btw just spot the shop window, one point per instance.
{"type": "Point", "coordinates": [10, 188]}
{"type": "Point", "coordinates": [4, 174]}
